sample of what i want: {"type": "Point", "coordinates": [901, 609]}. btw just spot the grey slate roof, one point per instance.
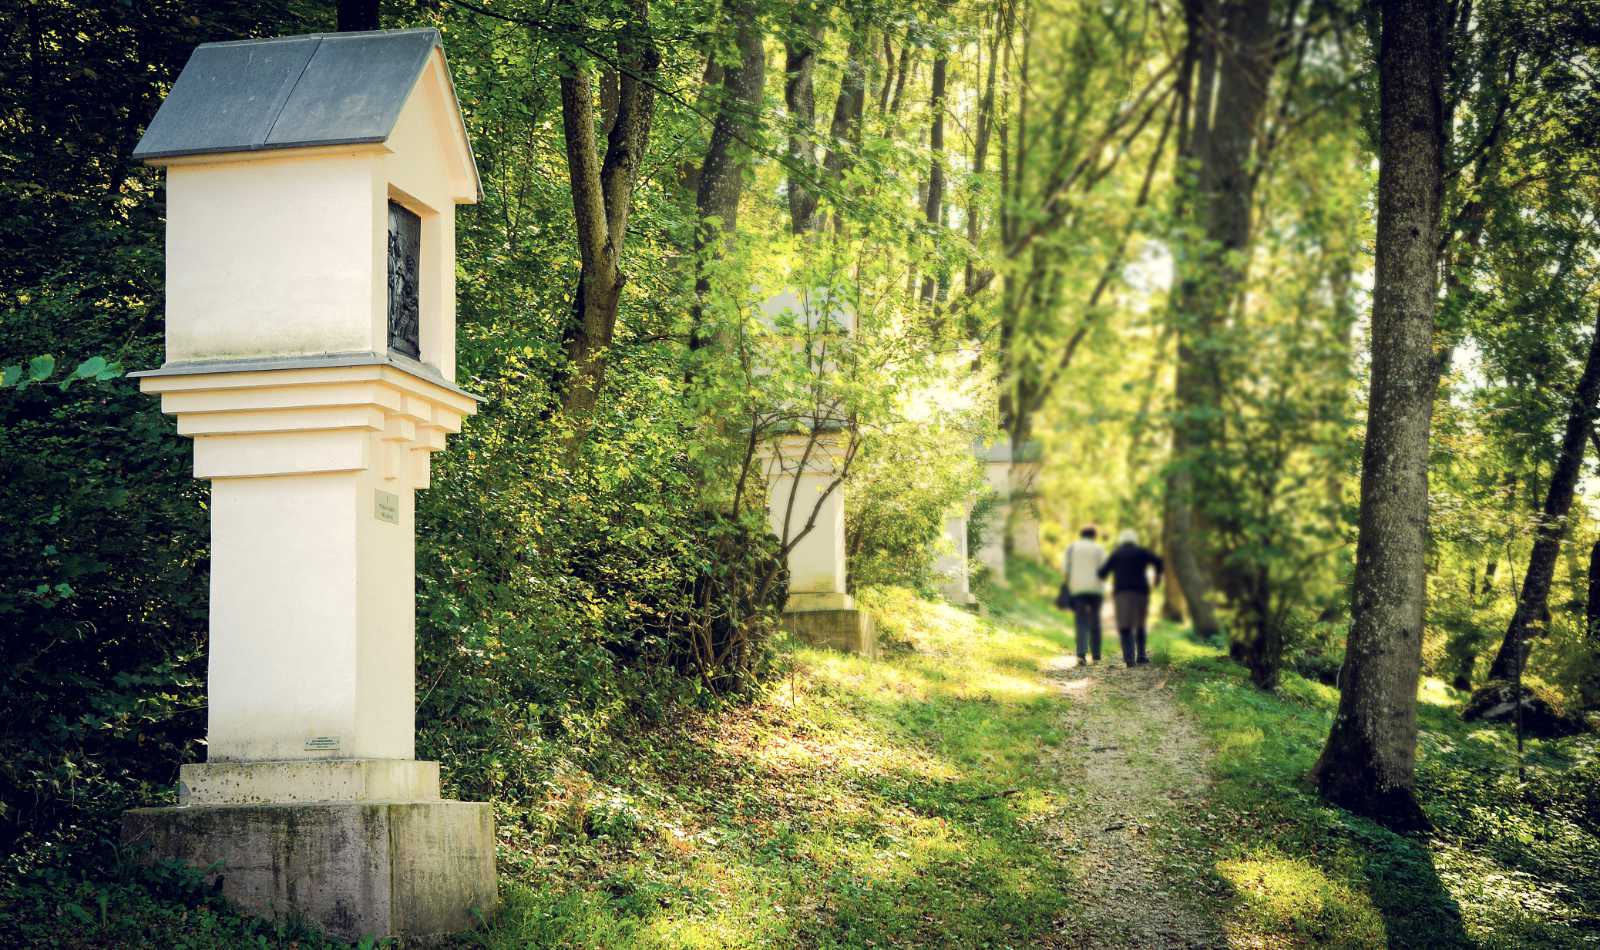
{"type": "Point", "coordinates": [290, 92]}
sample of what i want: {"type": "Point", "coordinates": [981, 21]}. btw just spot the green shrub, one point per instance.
{"type": "Point", "coordinates": [902, 488]}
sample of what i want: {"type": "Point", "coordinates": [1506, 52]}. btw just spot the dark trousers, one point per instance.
{"type": "Point", "coordinates": [1086, 621]}
{"type": "Point", "coordinates": [1133, 611]}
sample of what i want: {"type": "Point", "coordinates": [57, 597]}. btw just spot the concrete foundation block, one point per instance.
{"type": "Point", "coordinates": [381, 869]}
{"type": "Point", "coordinates": [849, 630]}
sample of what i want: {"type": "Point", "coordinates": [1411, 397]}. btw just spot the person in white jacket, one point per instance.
{"type": "Point", "coordinates": [1086, 590]}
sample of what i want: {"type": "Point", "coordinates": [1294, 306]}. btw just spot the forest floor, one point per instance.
{"type": "Point", "coordinates": [973, 788]}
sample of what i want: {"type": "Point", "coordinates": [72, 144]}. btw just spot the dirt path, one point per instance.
{"type": "Point", "coordinates": [1135, 758]}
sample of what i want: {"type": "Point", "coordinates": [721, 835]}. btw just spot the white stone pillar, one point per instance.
{"type": "Point", "coordinates": [802, 484]}
{"type": "Point", "coordinates": [996, 459]}
{"type": "Point", "coordinates": [313, 472]}
{"type": "Point", "coordinates": [952, 563]}
{"type": "Point", "coordinates": [805, 508]}
{"type": "Point", "coordinates": [1024, 524]}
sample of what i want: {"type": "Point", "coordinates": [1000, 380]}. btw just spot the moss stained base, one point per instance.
{"type": "Point", "coordinates": [355, 869]}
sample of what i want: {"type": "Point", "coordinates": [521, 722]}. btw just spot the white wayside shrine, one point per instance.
{"type": "Point", "coordinates": [996, 460]}
{"type": "Point", "coordinates": [805, 474]}
{"type": "Point", "coordinates": [311, 187]}
{"type": "Point", "coordinates": [952, 565]}
{"type": "Point", "coordinates": [1024, 526]}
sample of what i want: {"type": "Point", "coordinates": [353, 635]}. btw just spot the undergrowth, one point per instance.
{"type": "Point", "coordinates": [858, 803]}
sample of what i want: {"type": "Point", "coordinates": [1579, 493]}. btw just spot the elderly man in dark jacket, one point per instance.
{"type": "Point", "coordinates": [1129, 566]}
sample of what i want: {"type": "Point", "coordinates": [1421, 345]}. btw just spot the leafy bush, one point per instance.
{"type": "Point", "coordinates": [104, 606]}
{"type": "Point", "coordinates": [107, 900]}
{"type": "Point", "coordinates": [902, 489]}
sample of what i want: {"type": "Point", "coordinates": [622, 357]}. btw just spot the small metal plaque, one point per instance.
{"type": "Point", "coordinates": [405, 256]}
{"type": "Point", "coordinates": [388, 507]}
{"type": "Point", "coordinates": [322, 744]}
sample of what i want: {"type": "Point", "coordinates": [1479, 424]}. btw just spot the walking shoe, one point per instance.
{"type": "Point", "coordinates": [1144, 660]}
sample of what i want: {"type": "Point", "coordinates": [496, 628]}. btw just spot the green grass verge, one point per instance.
{"type": "Point", "coordinates": [1509, 865]}
{"type": "Point", "coordinates": [861, 803]}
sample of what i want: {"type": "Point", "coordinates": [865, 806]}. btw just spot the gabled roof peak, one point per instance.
{"type": "Point", "coordinates": [291, 92]}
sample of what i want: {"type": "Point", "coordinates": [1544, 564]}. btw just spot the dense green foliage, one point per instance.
{"type": "Point", "coordinates": [104, 529]}
{"type": "Point", "coordinates": [576, 577]}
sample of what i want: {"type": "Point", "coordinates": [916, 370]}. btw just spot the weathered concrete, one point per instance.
{"type": "Point", "coordinates": [849, 630]}
{"type": "Point", "coordinates": [353, 868]}
{"type": "Point", "coordinates": [298, 780]}
{"type": "Point", "coordinates": [802, 601]}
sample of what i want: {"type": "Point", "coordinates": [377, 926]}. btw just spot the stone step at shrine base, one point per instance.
{"type": "Point", "coordinates": [843, 628]}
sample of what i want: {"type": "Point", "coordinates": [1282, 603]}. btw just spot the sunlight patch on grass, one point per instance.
{"type": "Point", "coordinates": [1244, 740]}
{"type": "Point", "coordinates": [1283, 895]}
{"type": "Point", "coordinates": [1499, 906]}
{"type": "Point", "coordinates": [1435, 692]}
{"type": "Point", "coordinates": [841, 742]}
{"type": "Point", "coordinates": [887, 802]}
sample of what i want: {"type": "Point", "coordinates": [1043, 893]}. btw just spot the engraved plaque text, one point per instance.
{"type": "Point", "coordinates": [388, 507]}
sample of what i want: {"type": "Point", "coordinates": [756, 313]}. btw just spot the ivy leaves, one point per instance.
{"type": "Point", "coordinates": [41, 368]}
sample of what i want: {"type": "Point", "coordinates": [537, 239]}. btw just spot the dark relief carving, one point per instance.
{"type": "Point", "coordinates": [405, 254]}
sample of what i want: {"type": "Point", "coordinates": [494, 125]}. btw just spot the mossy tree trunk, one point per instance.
{"type": "Point", "coordinates": [1231, 62]}
{"type": "Point", "coordinates": [1368, 765]}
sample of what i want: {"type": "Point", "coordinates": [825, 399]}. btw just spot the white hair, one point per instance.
{"type": "Point", "coordinates": [1128, 536]}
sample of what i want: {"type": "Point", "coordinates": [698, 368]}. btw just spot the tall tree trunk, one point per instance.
{"type": "Point", "coordinates": [710, 86]}
{"type": "Point", "coordinates": [722, 172]}
{"type": "Point", "coordinates": [980, 158]}
{"type": "Point", "coordinates": [1171, 593]}
{"type": "Point", "coordinates": [933, 207]}
{"type": "Point", "coordinates": [799, 97]}
{"type": "Point", "coordinates": [1533, 601]}
{"type": "Point", "coordinates": [357, 15]}
{"type": "Point", "coordinates": [602, 198]}
{"type": "Point", "coordinates": [901, 71]}
{"type": "Point", "coordinates": [1238, 53]}
{"type": "Point", "coordinates": [1263, 653]}
{"type": "Point", "coordinates": [844, 130]}
{"type": "Point", "coordinates": [1589, 687]}
{"type": "Point", "coordinates": [1368, 765]}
